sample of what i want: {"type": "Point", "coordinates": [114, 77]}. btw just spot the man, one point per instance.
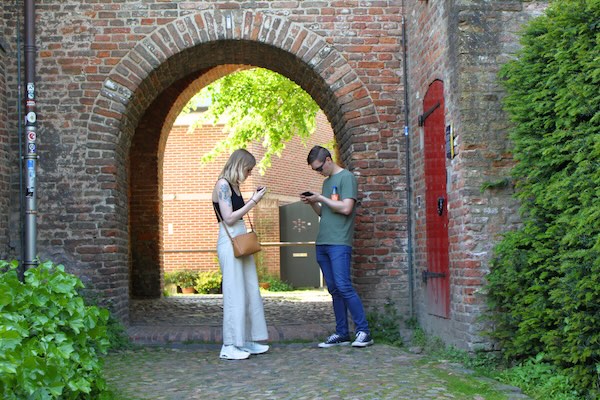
{"type": "Point", "coordinates": [336, 207]}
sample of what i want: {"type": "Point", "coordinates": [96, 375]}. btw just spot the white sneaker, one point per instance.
{"type": "Point", "coordinates": [255, 348]}
{"type": "Point", "coordinates": [363, 339]}
{"type": "Point", "coordinates": [230, 352]}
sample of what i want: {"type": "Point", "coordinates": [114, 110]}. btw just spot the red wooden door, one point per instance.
{"type": "Point", "coordinates": [437, 275]}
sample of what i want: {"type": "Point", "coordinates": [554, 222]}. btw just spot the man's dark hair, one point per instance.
{"type": "Point", "coordinates": [318, 153]}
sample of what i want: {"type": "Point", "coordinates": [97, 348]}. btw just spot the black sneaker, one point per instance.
{"type": "Point", "coordinates": [363, 339]}
{"type": "Point", "coordinates": [335, 340]}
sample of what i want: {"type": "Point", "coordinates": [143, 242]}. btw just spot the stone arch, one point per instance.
{"type": "Point", "coordinates": [166, 55]}
{"type": "Point", "coordinates": [151, 77]}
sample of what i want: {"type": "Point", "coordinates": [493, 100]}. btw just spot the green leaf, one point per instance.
{"type": "Point", "coordinates": [256, 105]}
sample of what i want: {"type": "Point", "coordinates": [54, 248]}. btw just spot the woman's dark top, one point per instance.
{"type": "Point", "coordinates": [237, 202]}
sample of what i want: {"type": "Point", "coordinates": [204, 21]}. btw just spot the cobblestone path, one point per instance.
{"type": "Point", "coordinates": [183, 360]}
{"type": "Point", "coordinates": [294, 371]}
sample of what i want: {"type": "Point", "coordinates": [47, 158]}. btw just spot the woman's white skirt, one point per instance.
{"type": "Point", "coordinates": [243, 313]}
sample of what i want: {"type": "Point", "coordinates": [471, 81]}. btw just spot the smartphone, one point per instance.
{"type": "Point", "coordinates": [307, 194]}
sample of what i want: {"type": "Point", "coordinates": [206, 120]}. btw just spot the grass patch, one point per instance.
{"type": "Point", "coordinates": [465, 386]}
{"type": "Point", "coordinates": [537, 379]}
{"type": "Point", "coordinates": [541, 380]}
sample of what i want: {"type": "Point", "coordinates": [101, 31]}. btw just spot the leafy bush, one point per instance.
{"type": "Point", "coordinates": [50, 340]}
{"type": "Point", "coordinates": [170, 277]}
{"type": "Point", "coordinates": [170, 287]}
{"type": "Point", "coordinates": [208, 282]}
{"type": "Point", "coordinates": [385, 326]}
{"type": "Point", "coordinates": [276, 284]}
{"type": "Point", "coordinates": [185, 278]}
{"type": "Point", "coordinates": [117, 335]}
{"type": "Point", "coordinates": [543, 286]}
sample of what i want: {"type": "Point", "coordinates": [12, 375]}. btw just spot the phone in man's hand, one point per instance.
{"type": "Point", "coordinates": [307, 194]}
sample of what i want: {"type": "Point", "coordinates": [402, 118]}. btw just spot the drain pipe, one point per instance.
{"type": "Point", "coordinates": [408, 173]}
{"type": "Point", "coordinates": [30, 133]}
{"type": "Point", "coordinates": [21, 269]}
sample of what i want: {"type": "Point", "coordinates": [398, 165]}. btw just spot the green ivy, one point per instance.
{"type": "Point", "coordinates": [50, 341]}
{"type": "Point", "coordinates": [544, 285]}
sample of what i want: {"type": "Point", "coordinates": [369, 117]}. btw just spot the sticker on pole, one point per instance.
{"type": "Point", "coordinates": [31, 136]}
{"type": "Point", "coordinates": [31, 148]}
{"type": "Point", "coordinates": [31, 117]}
{"type": "Point", "coordinates": [30, 91]}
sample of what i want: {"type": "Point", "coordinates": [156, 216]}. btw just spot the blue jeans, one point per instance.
{"type": "Point", "coordinates": [334, 261]}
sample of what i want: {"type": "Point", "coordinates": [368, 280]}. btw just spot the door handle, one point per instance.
{"type": "Point", "coordinates": [440, 205]}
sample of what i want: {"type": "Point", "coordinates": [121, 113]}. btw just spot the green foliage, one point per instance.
{"type": "Point", "coordinates": [537, 379]}
{"type": "Point", "coordinates": [464, 386]}
{"type": "Point", "coordinates": [208, 282]}
{"type": "Point", "coordinates": [117, 335]}
{"type": "Point", "coordinates": [170, 277]}
{"type": "Point", "coordinates": [418, 337]}
{"type": "Point", "coordinates": [385, 325]}
{"type": "Point", "coordinates": [276, 284]}
{"type": "Point", "coordinates": [185, 278]}
{"type": "Point", "coordinates": [497, 184]}
{"type": "Point", "coordinates": [257, 105]}
{"type": "Point", "coordinates": [543, 286]}
{"type": "Point", "coordinates": [541, 380]}
{"type": "Point", "coordinates": [50, 341]}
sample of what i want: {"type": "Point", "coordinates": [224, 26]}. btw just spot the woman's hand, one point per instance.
{"type": "Point", "coordinates": [258, 195]}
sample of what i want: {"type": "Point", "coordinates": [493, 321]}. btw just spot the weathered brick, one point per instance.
{"type": "Point", "coordinates": [469, 62]}
{"type": "Point", "coordinates": [110, 78]}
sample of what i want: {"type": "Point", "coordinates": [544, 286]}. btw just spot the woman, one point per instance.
{"type": "Point", "coordinates": [243, 315]}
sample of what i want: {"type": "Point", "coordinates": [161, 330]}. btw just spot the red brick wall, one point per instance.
{"type": "Point", "coordinates": [113, 76]}
{"type": "Point", "coordinates": [188, 184]}
{"type": "Point", "coordinates": [463, 46]}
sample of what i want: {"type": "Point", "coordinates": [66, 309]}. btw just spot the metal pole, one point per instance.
{"type": "Point", "coordinates": [30, 133]}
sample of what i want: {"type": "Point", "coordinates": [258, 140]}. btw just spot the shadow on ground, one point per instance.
{"type": "Point", "coordinates": [291, 316]}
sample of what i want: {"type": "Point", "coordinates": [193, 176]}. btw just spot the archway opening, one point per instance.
{"type": "Point", "coordinates": [171, 212]}
{"type": "Point", "coordinates": [150, 137]}
{"type": "Point", "coordinates": [189, 226]}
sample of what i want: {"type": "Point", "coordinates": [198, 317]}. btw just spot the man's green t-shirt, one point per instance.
{"type": "Point", "coordinates": [337, 228]}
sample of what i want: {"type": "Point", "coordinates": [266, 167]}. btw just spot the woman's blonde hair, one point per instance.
{"type": "Point", "coordinates": [239, 161]}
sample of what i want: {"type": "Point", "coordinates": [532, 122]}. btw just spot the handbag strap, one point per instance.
{"type": "Point", "coordinates": [221, 221]}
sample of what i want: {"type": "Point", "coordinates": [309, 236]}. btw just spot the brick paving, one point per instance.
{"type": "Point", "coordinates": [184, 363]}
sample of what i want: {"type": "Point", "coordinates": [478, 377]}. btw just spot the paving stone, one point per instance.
{"type": "Point", "coordinates": [185, 364]}
{"type": "Point", "coordinates": [298, 371]}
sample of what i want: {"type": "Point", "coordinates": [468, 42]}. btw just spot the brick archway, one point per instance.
{"type": "Point", "coordinates": [146, 90]}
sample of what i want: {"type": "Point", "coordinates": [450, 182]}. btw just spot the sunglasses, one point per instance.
{"type": "Point", "coordinates": [320, 168]}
